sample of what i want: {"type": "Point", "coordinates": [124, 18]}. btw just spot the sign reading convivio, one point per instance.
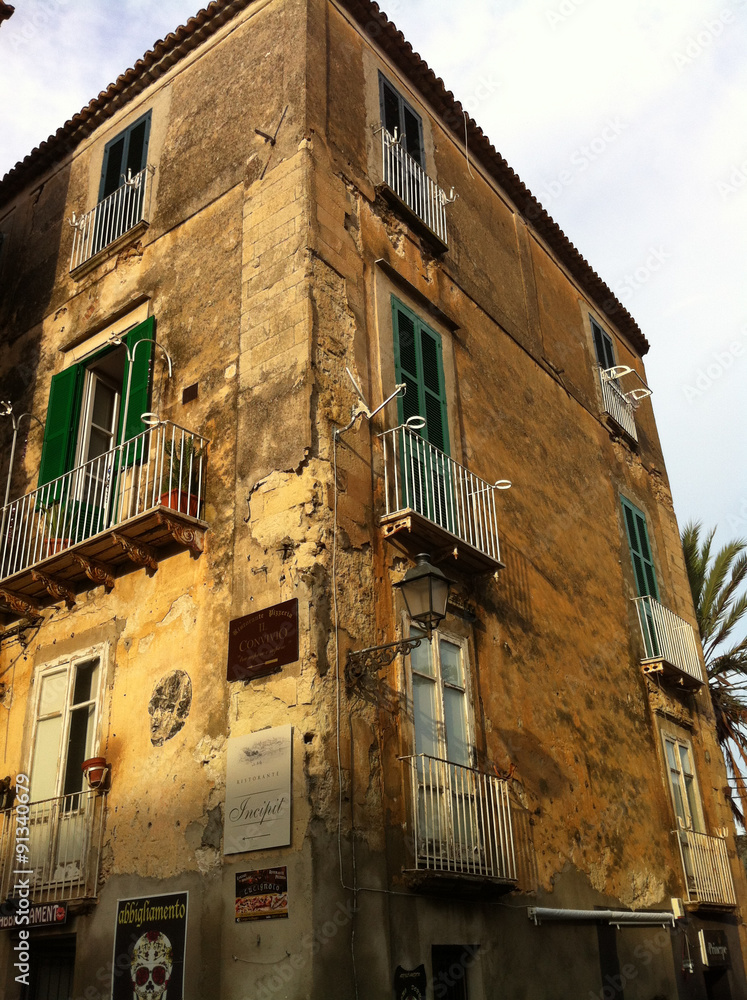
{"type": "Point", "coordinates": [714, 949]}
{"type": "Point", "coordinates": [261, 643]}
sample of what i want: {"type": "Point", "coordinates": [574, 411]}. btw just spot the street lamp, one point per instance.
{"type": "Point", "coordinates": [425, 590]}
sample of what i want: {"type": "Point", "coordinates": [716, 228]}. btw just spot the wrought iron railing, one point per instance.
{"type": "Point", "coordinates": [668, 637]}
{"type": "Point", "coordinates": [64, 839]}
{"type": "Point", "coordinates": [422, 478]}
{"type": "Point", "coordinates": [114, 216]}
{"type": "Point", "coordinates": [617, 405]}
{"type": "Point", "coordinates": [705, 861]}
{"type": "Point", "coordinates": [412, 185]}
{"type": "Point", "coordinates": [163, 466]}
{"type": "Point", "coordinates": [461, 820]}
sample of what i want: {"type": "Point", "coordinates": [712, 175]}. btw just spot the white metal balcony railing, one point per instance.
{"type": "Point", "coordinates": [617, 405]}
{"type": "Point", "coordinates": [422, 478]}
{"type": "Point", "coordinates": [461, 820]}
{"type": "Point", "coordinates": [705, 862]}
{"type": "Point", "coordinates": [65, 838]}
{"type": "Point", "coordinates": [161, 467]}
{"type": "Point", "coordinates": [114, 216]}
{"type": "Point", "coordinates": [412, 185]}
{"type": "Point", "coordinates": [668, 637]}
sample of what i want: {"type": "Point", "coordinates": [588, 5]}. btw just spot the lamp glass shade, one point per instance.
{"type": "Point", "coordinates": [426, 593]}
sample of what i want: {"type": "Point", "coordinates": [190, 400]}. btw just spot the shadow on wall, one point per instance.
{"type": "Point", "coordinates": [513, 581]}
{"type": "Point", "coordinates": [32, 226]}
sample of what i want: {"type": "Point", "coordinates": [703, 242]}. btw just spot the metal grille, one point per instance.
{"type": "Point", "coordinates": [421, 477]}
{"type": "Point", "coordinates": [668, 637]}
{"type": "Point", "coordinates": [114, 216]}
{"type": "Point", "coordinates": [706, 865]}
{"type": "Point", "coordinates": [163, 466]}
{"type": "Point", "coordinates": [65, 837]}
{"type": "Point", "coordinates": [461, 819]}
{"type": "Point", "coordinates": [617, 406]}
{"type": "Point", "coordinates": [413, 186]}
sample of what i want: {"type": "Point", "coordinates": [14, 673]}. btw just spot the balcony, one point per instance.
{"type": "Point", "coordinates": [409, 186]}
{"type": "Point", "coordinates": [670, 644]}
{"type": "Point", "coordinates": [705, 862]}
{"type": "Point", "coordinates": [619, 405]}
{"type": "Point", "coordinates": [460, 819]}
{"type": "Point", "coordinates": [115, 217]}
{"type": "Point", "coordinates": [120, 508]}
{"type": "Point", "coordinates": [65, 838]}
{"type": "Point", "coordinates": [441, 506]}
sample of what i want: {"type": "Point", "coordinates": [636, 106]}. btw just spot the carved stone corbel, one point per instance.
{"type": "Point", "coordinates": [185, 534]}
{"type": "Point", "coordinates": [19, 604]}
{"type": "Point", "coordinates": [96, 571]}
{"type": "Point", "coordinates": [54, 586]}
{"type": "Point", "coordinates": [140, 553]}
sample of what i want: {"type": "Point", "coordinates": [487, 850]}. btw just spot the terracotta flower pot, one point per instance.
{"type": "Point", "coordinates": [96, 770]}
{"type": "Point", "coordinates": [180, 500]}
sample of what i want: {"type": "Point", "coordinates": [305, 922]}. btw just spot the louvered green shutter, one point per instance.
{"type": "Point", "coordinates": [418, 362]}
{"type": "Point", "coordinates": [640, 551]}
{"type": "Point", "coordinates": [61, 427]}
{"type": "Point", "coordinates": [140, 381]}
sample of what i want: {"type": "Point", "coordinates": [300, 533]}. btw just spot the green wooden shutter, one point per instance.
{"type": "Point", "coordinates": [140, 381]}
{"type": "Point", "coordinates": [61, 427]}
{"type": "Point", "coordinates": [603, 347]}
{"type": "Point", "coordinates": [640, 550]}
{"type": "Point", "coordinates": [418, 362]}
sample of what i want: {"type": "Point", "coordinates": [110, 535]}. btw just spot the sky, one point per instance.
{"type": "Point", "coordinates": [628, 121]}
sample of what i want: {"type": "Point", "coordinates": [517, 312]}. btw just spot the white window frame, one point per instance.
{"type": "Point", "coordinates": [463, 645]}
{"type": "Point", "coordinates": [68, 663]}
{"type": "Point", "coordinates": [696, 818]}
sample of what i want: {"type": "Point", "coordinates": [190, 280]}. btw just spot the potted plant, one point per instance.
{"type": "Point", "coordinates": [56, 527]}
{"type": "Point", "coordinates": [96, 771]}
{"type": "Point", "coordinates": [180, 475]}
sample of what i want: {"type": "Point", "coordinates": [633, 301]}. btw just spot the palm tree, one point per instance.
{"type": "Point", "coordinates": [719, 607]}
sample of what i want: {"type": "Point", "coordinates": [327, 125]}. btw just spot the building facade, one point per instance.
{"type": "Point", "coordinates": [270, 333]}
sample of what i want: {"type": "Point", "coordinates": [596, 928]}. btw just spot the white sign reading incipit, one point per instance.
{"type": "Point", "coordinates": [258, 791]}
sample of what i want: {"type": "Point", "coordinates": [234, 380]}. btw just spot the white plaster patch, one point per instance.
{"type": "Point", "coordinates": [186, 609]}
{"type": "Point", "coordinates": [144, 645]}
{"type": "Point", "coordinates": [230, 372]}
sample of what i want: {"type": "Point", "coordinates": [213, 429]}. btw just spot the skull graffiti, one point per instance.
{"type": "Point", "coordinates": [150, 969]}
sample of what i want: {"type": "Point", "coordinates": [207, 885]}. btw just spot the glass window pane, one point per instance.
{"type": "Point", "coordinates": [46, 759]}
{"type": "Point", "coordinates": [79, 748]}
{"type": "Point", "coordinates": [455, 718]}
{"type": "Point", "coordinates": [671, 758]}
{"type": "Point", "coordinates": [86, 681]}
{"type": "Point", "coordinates": [451, 663]}
{"type": "Point", "coordinates": [425, 713]}
{"type": "Point", "coordinates": [687, 767]}
{"type": "Point", "coordinates": [103, 405]}
{"type": "Point", "coordinates": [422, 657]}
{"type": "Point", "coordinates": [52, 695]}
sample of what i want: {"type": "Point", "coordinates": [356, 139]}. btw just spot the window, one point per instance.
{"type": "Point", "coordinates": [426, 472]}
{"type": "Point", "coordinates": [65, 726]}
{"type": "Point", "coordinates": [603, 346]}
{"type": "Point", "coordinates": [451, 964]}
{"type": "Point", "coordinates": [52, 969]}
{"type": "Point", "coordinates": [683, 784]}
{"type": "Point", "coordinates": [640, 550]}
{"type": "Point", "coordinates": [401, 120]}
{"type": "Point", "coordinates": [85, 415]}
{"type": "Point", "coordinates": [440, 702]}
{"type": "Point", "coordinates": [124, 156]}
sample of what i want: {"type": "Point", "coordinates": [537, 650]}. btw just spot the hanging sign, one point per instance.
{"type": "Point", "coordinates": [41, 915]}
{"type": "Point", "coordinates": [261, 643]}
{"type": "Point", "coordinates": [714, 949]}
{"type": "Point", "coordinates": [149, 945]}
{"type": "Point", "coordinates": [410, 984]}
{"type": "Point", "coordinates": [262, 894]}
{"type": "Point", "coordinates": [258, 791]}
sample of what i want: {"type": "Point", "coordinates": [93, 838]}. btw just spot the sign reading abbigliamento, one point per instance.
{"type": "Point", "coordinates": [149, 947]}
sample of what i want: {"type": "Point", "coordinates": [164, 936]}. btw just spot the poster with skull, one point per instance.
{"type": "Point", "coordinates": [149, 945]}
